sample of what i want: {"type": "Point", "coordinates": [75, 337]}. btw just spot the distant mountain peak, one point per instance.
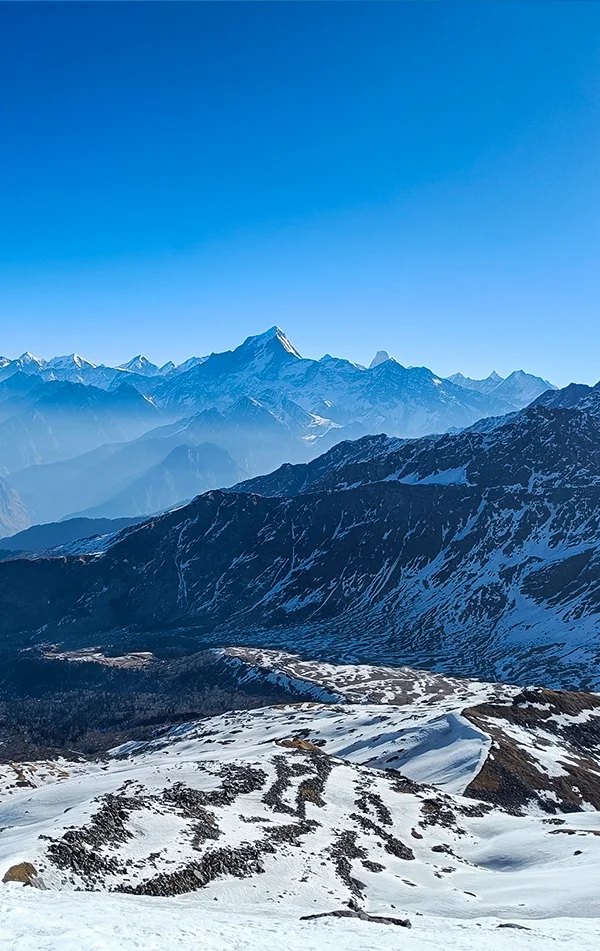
{"type": "Point", "coordinates": [274, 335]}
{"type": "Point", "coordinates": [71, 360]}
{"type": "Point", "coordinates": [188, 364]}
{"type": "Point", "coordinates": [139, 364]}
{"type": "Point", "coordinates": [484, 385]}
{"type": "Point", "coordinates": [29, 359]}
{"type": "Point", "coordinates": [166, 368]}
{"type": "Point", "coordinates": [380, 357]}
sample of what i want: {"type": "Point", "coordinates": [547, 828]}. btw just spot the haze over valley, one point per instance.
{"type": "Point", "coordinates": [299, 476]}
{"type": "Point", "coordinates": [100, 442]}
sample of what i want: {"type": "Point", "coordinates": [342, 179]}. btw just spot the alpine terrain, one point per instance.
{"type": "Point", "coordinates": [297, 651]}
{"type": "Point", "coordinates": [81, 439]}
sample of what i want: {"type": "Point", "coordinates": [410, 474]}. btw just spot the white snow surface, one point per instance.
{"type": "Point", "coordinates": [51, 921]}
{"type": "Point", "coordinates": [427, 851]}
{"type": "Point", "coordinates": [337, 802]}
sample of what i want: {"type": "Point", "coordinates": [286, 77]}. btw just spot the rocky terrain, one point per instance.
{"type": "Point", "coordinates": [475, 553]}
{"type": "Point", "coordinates": [460, 799]}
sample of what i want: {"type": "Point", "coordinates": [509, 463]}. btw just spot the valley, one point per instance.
{"type": "Point", "coordinates": [301, 640]}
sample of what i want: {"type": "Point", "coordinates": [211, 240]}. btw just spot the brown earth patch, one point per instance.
{"type": "Point", "coordinates": [295, 743]}
{"type": "Point", "coordinates": [512, 778]}
{"type": "Point", "coordinates": [24, 872]}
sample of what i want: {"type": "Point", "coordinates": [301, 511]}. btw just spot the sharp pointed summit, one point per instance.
{"type": "Point", "coordinates": [28, 359]}
{"type": "Point", "coordinates": [141, 365]}
{"type": "Point", "coordinates": [274, 336]}
{"type": "Point", "coordinates": [382, 356]}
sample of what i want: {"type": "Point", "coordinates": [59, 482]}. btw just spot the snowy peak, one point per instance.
{"type": "Point", "coordinates": [276, 334]}
{"type": "Point", "coordinates": [273, 340]}
{"type": "Point", "coordinates": [380, 357]}
{"type": "Point", "coordinates": [519, 389]}
{"type": "Point", "coordinates": [141, 365]}
{"type": "Point", "coordinates": [71, 361]}
{"type": "Point", "coordinates": [166, 368]}
{"type": "Point", "coordinates": [480, 386]}
{"type": "Point", "coordinates": [29, 360]}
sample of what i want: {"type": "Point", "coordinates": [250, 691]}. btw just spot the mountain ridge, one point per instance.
{"type": "Point", "coordinates": [475, 552]}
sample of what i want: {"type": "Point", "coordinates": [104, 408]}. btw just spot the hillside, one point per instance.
{"type": "Point", "coordinates": [475, 553]}
{"type": "Point", "coordinates": [390, 812]}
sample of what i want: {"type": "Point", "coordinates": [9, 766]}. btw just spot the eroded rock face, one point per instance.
{"type": "Point", "coordinates": [545, 751]}
{"type": "Point", "coordinates": [477, 553]}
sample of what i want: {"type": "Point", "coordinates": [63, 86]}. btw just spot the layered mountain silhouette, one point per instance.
{"type": "Point", "coordinates": [186, 471]}
{"type": "Point", "coordinates": [57, 420]}
{"type": "Point", "coordinates": [45, 537]}
{"type": "Point", "coordinates": [477, 552]}
{"type": "Point", "coordinates": [75, 435]}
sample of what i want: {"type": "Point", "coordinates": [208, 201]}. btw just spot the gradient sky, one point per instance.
{"type": "Point", "coordinates": [419, 177]}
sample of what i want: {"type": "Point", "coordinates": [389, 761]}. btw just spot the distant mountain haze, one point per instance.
{"type": "Point", "coordinates": [475, 552]}
{"type": "Point", "coordinates": [43, 537]}
{"type": "Point", "coordinates": [79, 438]}
{"type": "Point", "coordinates": [14, 516]}
{"type": "Point", "coordinates": [186, 472]}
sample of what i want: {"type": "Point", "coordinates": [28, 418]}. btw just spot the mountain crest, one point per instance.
{"type": "Point", "coordinates": [70, 361]}
{"type": "Point", "coordinates": [139, 364]}
{"type": "Point", "coordinates": [273, 336]}
{"type": "Point", "coordinates": [29, 359]}
{"type": "Point", "coordinates": [380, 357]}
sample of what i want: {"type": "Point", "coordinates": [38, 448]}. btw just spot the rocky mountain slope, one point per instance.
{"type": "Point", "coordinates": [475, 552]}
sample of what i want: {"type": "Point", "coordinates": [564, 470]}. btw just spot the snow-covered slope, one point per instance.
{"type": "Point", "coordinates": [59, 921]}
{"type": "Point", "coordinates": [542, 747]}
{"type": "Point", "coordinates": [297, 810]}
{"type": "Point", "coordinates": [387, 812]}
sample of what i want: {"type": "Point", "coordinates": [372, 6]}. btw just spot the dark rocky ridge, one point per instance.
{"type": "Point", "coordinates": [477, 553]}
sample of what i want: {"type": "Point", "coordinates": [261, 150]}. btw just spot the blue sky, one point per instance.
{"type": "Point", "coordinates": [419, 177]}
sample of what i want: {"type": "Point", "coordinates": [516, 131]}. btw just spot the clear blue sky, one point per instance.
{"type": "Point", "coordinates": [420, 177]}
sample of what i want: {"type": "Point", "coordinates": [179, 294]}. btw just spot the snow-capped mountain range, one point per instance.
{"type": "Point", "coordinates": [262, 403]}
{"type": "Point", "coordinates": [370, 795]}
{"type": "Point", "coordinates": [476, 552]}
{"type": "Point", "coordinates": [270, 361]}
